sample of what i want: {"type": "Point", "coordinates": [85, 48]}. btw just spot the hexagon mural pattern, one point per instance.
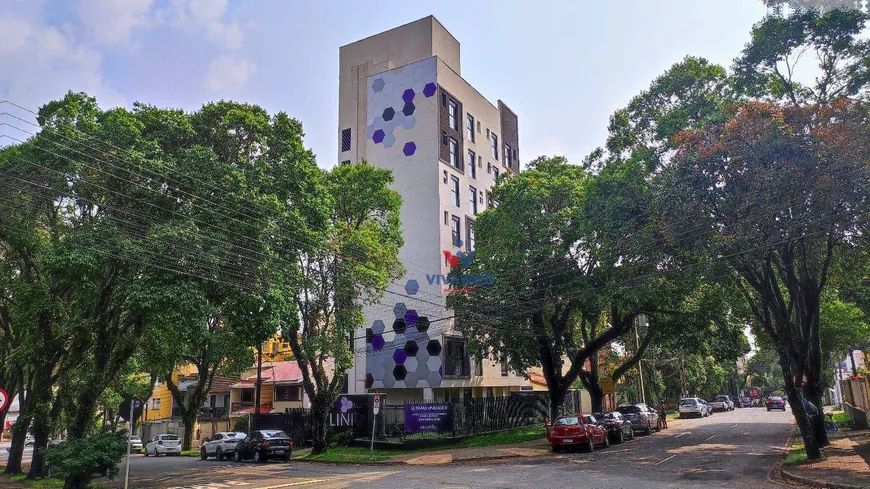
{"type": "Point", "coordinates": [393, 98]}
{"type": "Point", "coordinates": [404, 353]}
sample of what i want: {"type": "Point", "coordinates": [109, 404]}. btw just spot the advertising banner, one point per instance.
{"type": "Point", "coordinates": [428, 418]}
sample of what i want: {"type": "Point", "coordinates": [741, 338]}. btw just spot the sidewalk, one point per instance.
{"type": "Point", "coordinates": [846, 464]}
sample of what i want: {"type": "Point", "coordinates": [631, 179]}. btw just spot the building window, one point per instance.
{"type": "Point", "coordinates": [504, 368]}
{"type": "Point", "coordinates": [452, 120]}
{"type": "Point", "coordinates": [247, 395]}
{"type": "Point", "coordinates": [155, 403]}
{"type": "Point", "coordinates": [472, 200]}
{"type": "Point", "coordinates": [508, 155]}
{"type": "Point", "coordinates": [471, 161]}
{"type": "Point", "coordinates": [456, 361]}
{"type": "Point", "coordinates": [488, 199]}
{"type": "Point", "coordinates": [454, 158]}
{"type": "Point", "coordinates": [478, 368]}
{"type": "Point", "coordinates": [345, 140]}
{"type": "Point", "coordinates": [494, 141]}
{"type": "Point", "coordinates": [455, 235]}
{"type": "Point", "coordinates": [469, 235]}
{"type": "Point", "coordinates": [469, 127]}
{"type": "Point", "coordinates": [445, 218]}
{"type": "Point", "coordinates": [454, 190]}
{"type": "Point", "coordinates": [495, 174]}
{"type": "Point", "coordinates": [345, 162]}
{"type": "Point", "coordinates": [287, 393]}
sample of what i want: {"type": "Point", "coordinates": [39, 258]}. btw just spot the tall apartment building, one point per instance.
{"type": "Point", "coordinates": [403, 105]}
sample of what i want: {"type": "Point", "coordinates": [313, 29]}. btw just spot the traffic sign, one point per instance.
{"type": "Point", "coordinates": [607, 385]}
{"type": "Point", "coordinates": [4, 400]}
{"type": "Point", "coordinates": [124, 409]}
{"type": "Point", "coordinates": [377, 405]}
{"type": "Point", "coordinates": [698, 389]}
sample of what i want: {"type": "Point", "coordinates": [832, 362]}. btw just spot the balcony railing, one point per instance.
{"type": "Point", "coordinates": [214, 412]}
{"type": "Point", "coordinates": [241, 405]}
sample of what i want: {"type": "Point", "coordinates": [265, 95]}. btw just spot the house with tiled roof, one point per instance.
{"type": "Point", "coordinates": [281, 389]}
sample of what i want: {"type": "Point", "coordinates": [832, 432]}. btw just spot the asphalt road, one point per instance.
{"type": "Point", "coordinates": [735, 449]}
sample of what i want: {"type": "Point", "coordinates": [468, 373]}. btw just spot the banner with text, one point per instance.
{"type": "Point", "coordinates": [428, 417]}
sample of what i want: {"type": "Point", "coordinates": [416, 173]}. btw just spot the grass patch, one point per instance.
{"type": "Point", "coordinates": [190, 453]}
{"type": "Point", "coordinates": [841, 418]}
{"type": "Point", "coordinates": [42, 483]}
{"type": "Point", "coordinates": [797, 455]}
{"type": "Point", "coordinates": [350, 454]}
{"type": "Point", "coordinates": [517, 435]}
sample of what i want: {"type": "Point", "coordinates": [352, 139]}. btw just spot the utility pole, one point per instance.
{"type": "Point", "coordinates": [639, 367]}
{"type": "Point", "coordinates": [683, 391]}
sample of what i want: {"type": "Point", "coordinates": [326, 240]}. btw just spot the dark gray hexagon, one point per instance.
{"type": "Point", "coordinates": [377, 326]}
{"type": "Point", "coordinates": [378, 84]}
{"type": "Point", "coordinates": [400, 326]}
{"type": "Point", "coordinates": [400, 309]}
{"type": "Point", "coordinates": [389, 112]}
{"type": "Point", "coordinates": [399, 372]}
{"type": "Point", "coordinates": [411, 348]}
{"type": "Point", "coordinates": [433, 347]}
{"type": "Point", "coordinates": [422, 324]}
{"type": "Point", "coordinates": [408, 109]}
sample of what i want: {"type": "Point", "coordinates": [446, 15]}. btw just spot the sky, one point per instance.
{"type": "Point", "coordinates": [562, 66]}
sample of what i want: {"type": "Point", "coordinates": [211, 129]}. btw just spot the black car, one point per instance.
{"type": "Point", "coordinates": [618, 428]}
{"type": "Point", "coordinates": [262, 445]}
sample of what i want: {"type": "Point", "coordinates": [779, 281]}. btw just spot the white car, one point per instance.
{"type": "Point", "coordinates": [221, 445]}
{"type": "Point", "coordinates": [693, 406]}
{"type": "Point", "coordinates": [165, 444]}
{"type": "Point", "coordinates": [135, 444]}
{"type": "Point", "coordinates": [722, 403]}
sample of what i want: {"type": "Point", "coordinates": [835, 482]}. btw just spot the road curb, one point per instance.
{"type": "Point", "coordinates": [817, 483]}
{"type": "Point", "coordinates": [393, 463]}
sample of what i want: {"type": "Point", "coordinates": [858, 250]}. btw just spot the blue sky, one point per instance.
{"type": "Point", "coordinates": [563, 66]}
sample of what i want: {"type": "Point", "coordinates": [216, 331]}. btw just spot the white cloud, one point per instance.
{"type": "Point", "coordinates": [41, 62]}
{"type": "Point", "coordinates": [228, 73]}
{"type": "Point", "coordinates": [112, 22]}
{"type": "Point", "coordinates": [207, 16]}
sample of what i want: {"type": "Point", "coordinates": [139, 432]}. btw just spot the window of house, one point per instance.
{"type": "Point", "coordinates": [155, 403]}
{"type": "Point", "coordinates": [212, 401]}
{"type": "Point", "coordinates": [452, 120]}
{"type": "Point", "coordinates": [445, 218]}
{"type": "Point", "coordinates": [455, 235]}
{"type": "Point", "coordinates": [454, 190]}
{"type": "Point", "coordinates": [454, 158]}
{"type": "Point", "coordinates": [469, 127]}
{"type": "Point", "coordinates": [456, 361]}
{"type": "Point", "coordinates": [345, 162]}
{"type": "Point", "coordinates": [469, 233]}
{"type": "Point", "coordinates": [287, 393]}
{"type": "Point", "coordinates": [472, 200]}
{"type": "Point", "coordinates": [494, 142]}
{"type": "Point", "coordinates": [504, 368]}
{"type": "Point", "coordinates": [471, 160]}
{"type": "Point", "coordinates": [345, 139]}
{"type": "Point", "coordinates": [508, 155]}
{"type": "Point", "coordinates": [247, 395]}
{"type": "Point", "coordinates": [495, 173]}
{"type": "Point", "coordinates": [478, 367]}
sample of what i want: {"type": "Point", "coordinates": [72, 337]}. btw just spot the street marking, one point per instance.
{"type": "Point", "coordinates": [292, 484]}
{"type": "Point", "coordinates": [710, 438]}
{"type": "Point", "coordinates": [665, 460]}
{"type": "Point", "coordinates": [683, 434]}
{"type": "Point", "coordinates": [734, 425]}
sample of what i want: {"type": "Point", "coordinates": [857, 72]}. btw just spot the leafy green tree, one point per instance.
{"type": "Point", "coordinates": [358, 259]}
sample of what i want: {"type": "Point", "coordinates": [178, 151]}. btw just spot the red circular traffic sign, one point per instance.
{"type": "Point", "coordinates": [4, 400]}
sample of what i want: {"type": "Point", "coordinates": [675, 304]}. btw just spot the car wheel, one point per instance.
{"type": "Point", "coordinates": [590, 447]}
{"type": "Point", "coordinates": [648, 429]}
{"type": "Point", "coordinates": [219, 454]}
{"type": "Point", "coordinates": [237, 457]}
{"type": "Point", "coordinates": [621, 436]}
{"type": "Point", "coordinates": [631, 434]}
{"type": "Point", "coordinates": [606, 441]}
{"type": "Point", "coordinates": [257, 457]}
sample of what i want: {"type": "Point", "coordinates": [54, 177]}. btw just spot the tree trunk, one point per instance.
{"type": "Point", "coordinates": [3, 420]}
{"type": "Point", "coordinates": [188, 417]}
{"type": "Point", "coordinates": [818, 422]}
{"type": "Point", "coordinates": [41, 433]}
{"type": "Point", "coordinates": [16, 451]}
{"type": "Point", "coordinates": [557, 399]}
{"type": "Point", "coordinates": [259, 384]}
{"type": "Point", "coordinates": [811, 445]}
{"type": "Point", "coordinates": [41, 400]}
{"type": "Point", "coordinates": [320, 420]}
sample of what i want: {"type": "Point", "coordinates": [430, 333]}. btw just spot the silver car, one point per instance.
{"type": "Point", "coordinates": [135, 444]}
{"type": "Point", "coordinates": [221, 445]}
{"type": "Point", "coordinates": [644, 419]}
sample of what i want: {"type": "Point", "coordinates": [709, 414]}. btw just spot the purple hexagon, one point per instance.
{"type": "Point", "coordinates": [378, 136]}
{"type": "Point", "coordinates": [429, 90]}
{"type": "Point", "coordinates": [410, 148]}
{"type": "Point", "coordinates": [441, 371]}
{"type": "Point", "coordinates": [377, 342]}
{"type": "Point", "coordinates": [408, 95]}
{"type": "Point", "coordinates": [399, 356]}
{"type": "Point", "coordinates": [411, 318]}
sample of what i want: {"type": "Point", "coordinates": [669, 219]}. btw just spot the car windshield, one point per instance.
{"type": "Point", "coordinates": [236, 435]}
{"type": "Point", "coordinates": [170, 437]}
{"type": "Point", "coordinates": [274, 434]}
{"type": "Point", "coordinates": [775, 398]}
{"type": "Point", "coordinates": [721, 398]}
{"type": "Point", "coordinates": [628, 409]}
{"type": "Point", "coordinates": [688, 402]}
{"type": "Point", "coordinates": [569, 421]}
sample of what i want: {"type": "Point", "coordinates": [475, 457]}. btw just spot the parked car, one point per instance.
{"type": "Point", "coordinates": [165, 444]}
{"type": "Point", "coordinates": [262, 445]}
{"type": "Point", "coordinates": [135, 444]}
{"type": "Point", "coordinates": [618, 428]}
{"type": "Point", "coordinates": [221, 445]}
{"type": "Point", "coordinates": [775, 402]}
{"type": "Point", "coordinates": [708, 406]}
{"type": "Point", "coordinates": [722, 403]}
{"type": "Point", "coordinates": [577, 430]}
{"type": "Point", "coordinates": [643, 418]}
{"type": "Point", "coordinates": [692, 407]}
{"type": "Point", "coordinates": [744, 402]}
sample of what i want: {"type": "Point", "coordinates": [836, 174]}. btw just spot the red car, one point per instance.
{"type": "Point", "coordinates": [576, 430]}
{"type": "Point", "coordinates": [775, 402]}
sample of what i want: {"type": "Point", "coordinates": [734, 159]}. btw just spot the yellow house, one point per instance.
{"type": "Point", "coordinates": [275, 349]}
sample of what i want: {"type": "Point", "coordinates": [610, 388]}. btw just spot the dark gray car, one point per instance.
{"type": "Point", "coordinates": [618, 427]}
{"type": "Point", "coordinates": [644, 419]}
